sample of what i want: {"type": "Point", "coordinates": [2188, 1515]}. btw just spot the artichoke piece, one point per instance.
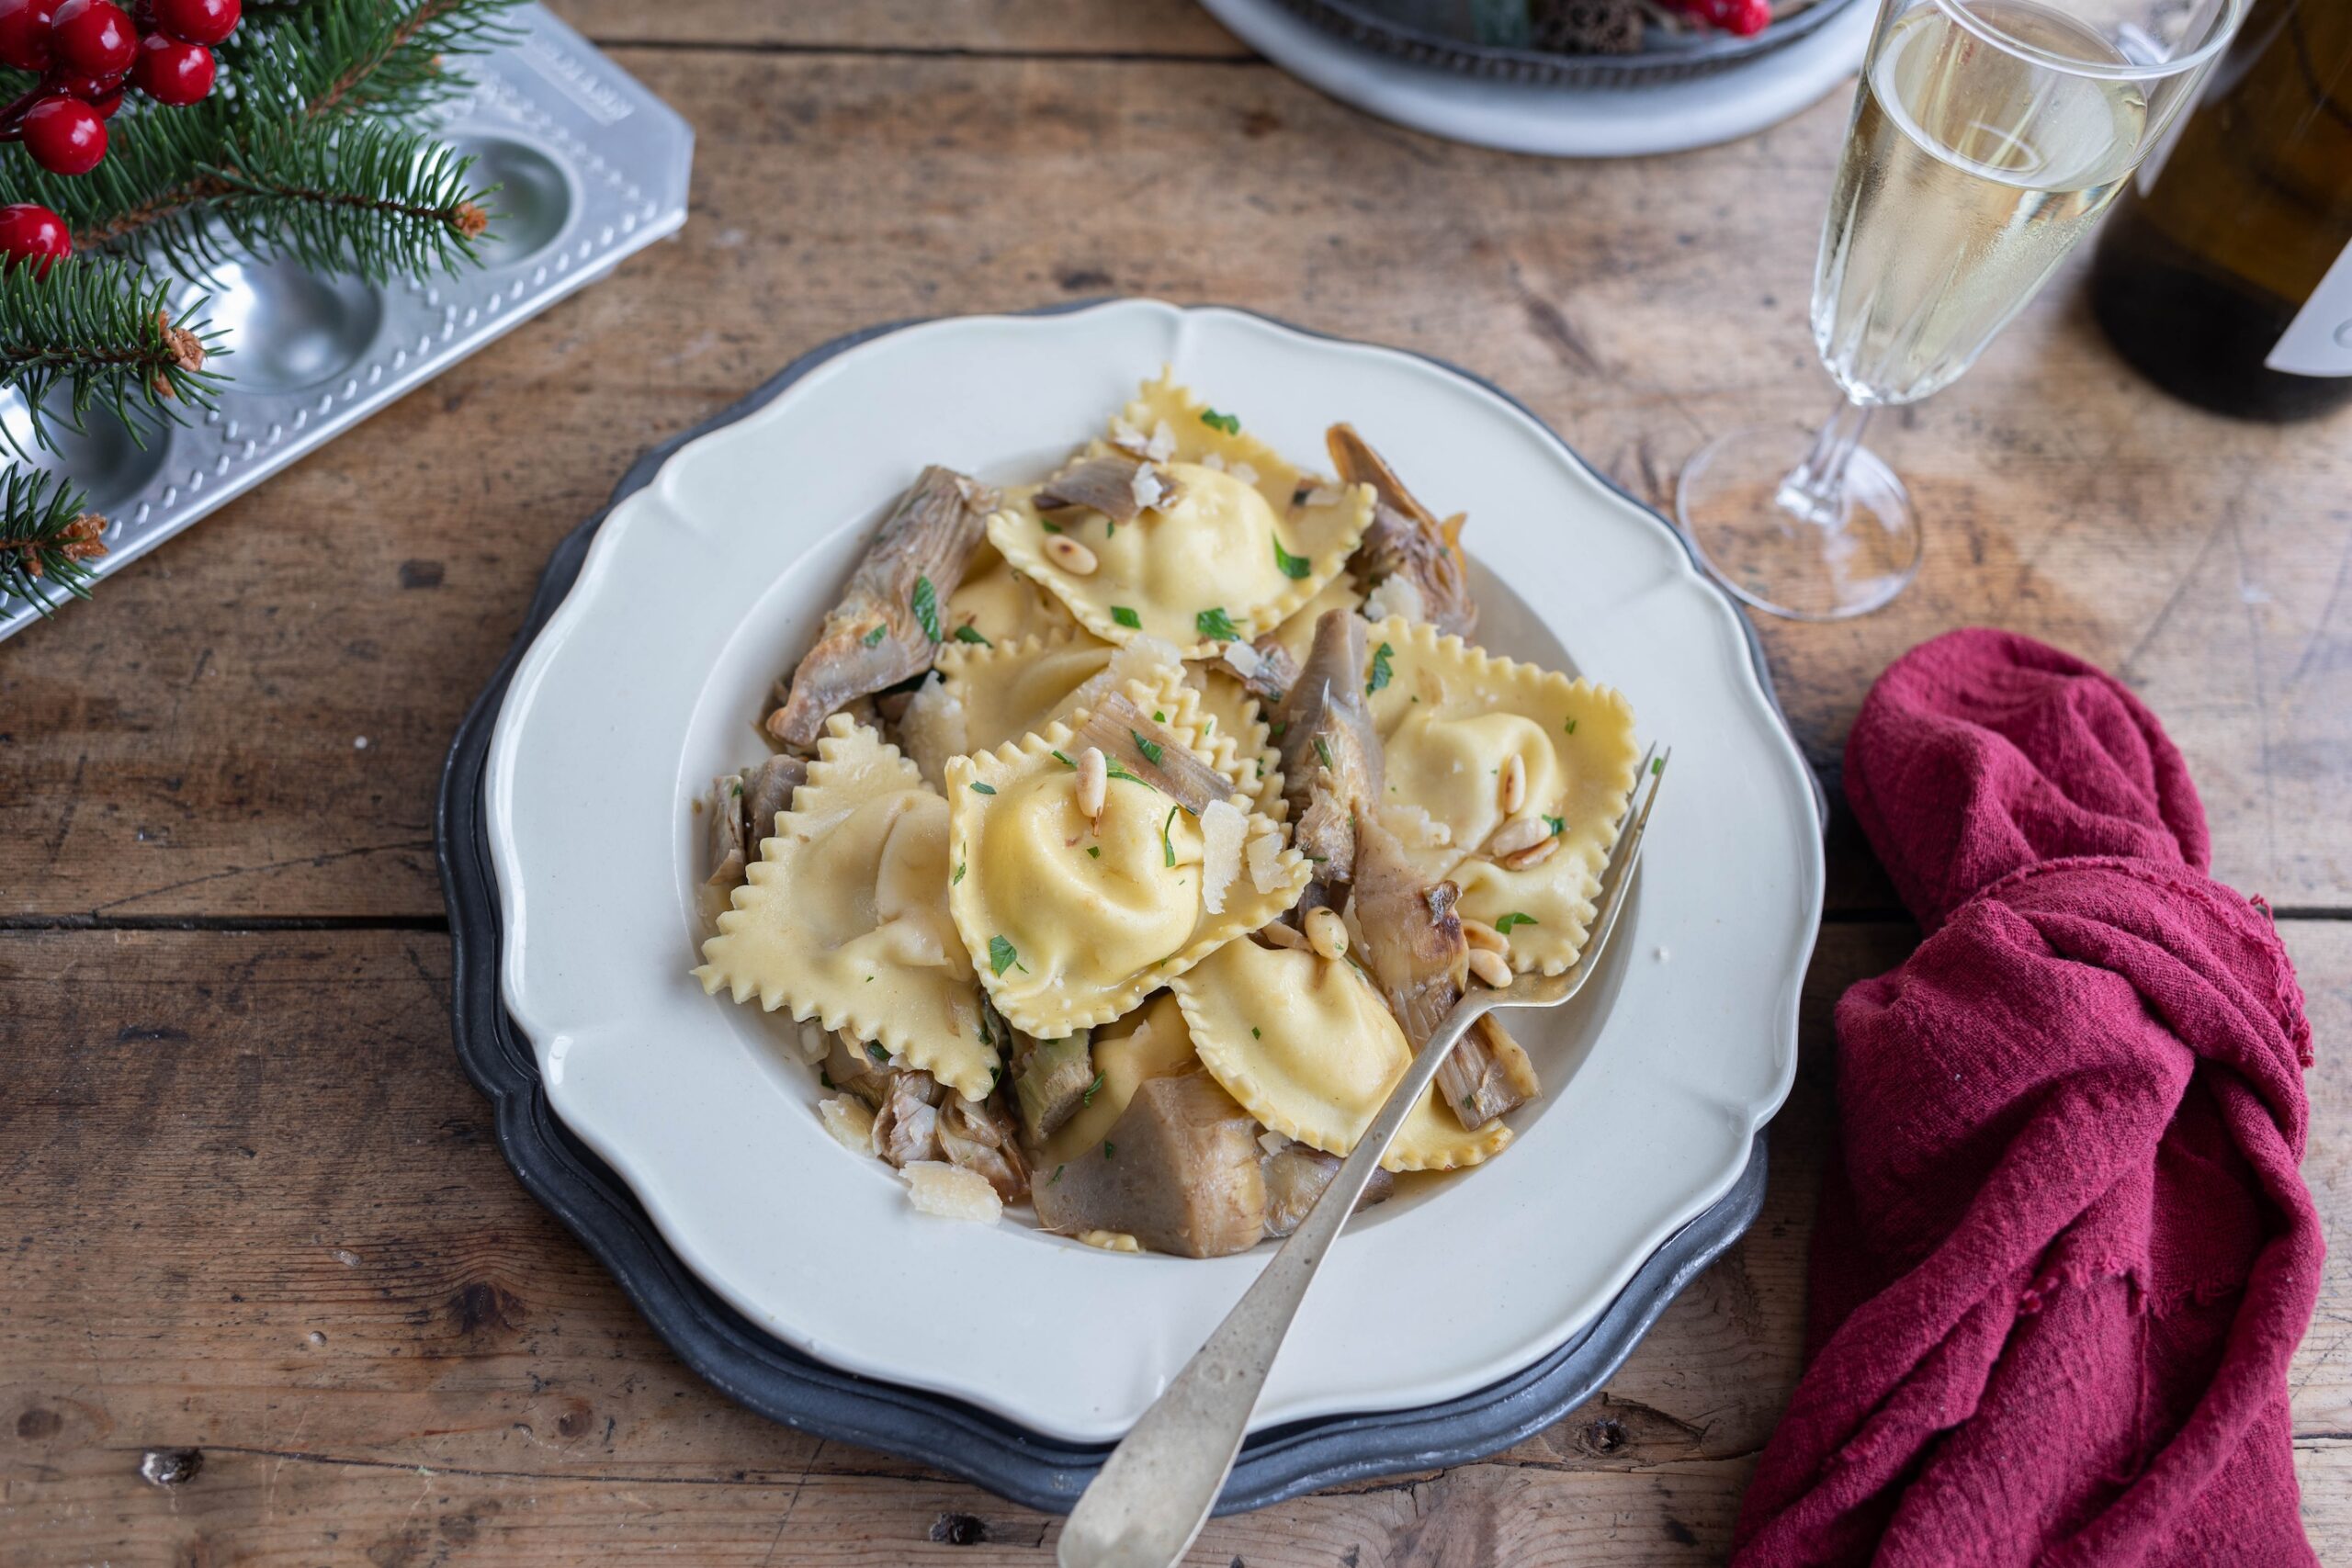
{"type": "Point", "coordinates": [1180, 1172]}
{"type": "Point", "coordinates": [1051, 1083]}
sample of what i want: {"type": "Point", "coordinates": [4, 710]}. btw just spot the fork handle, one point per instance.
{"type": "Point", "coordinates": [1156, 1491]}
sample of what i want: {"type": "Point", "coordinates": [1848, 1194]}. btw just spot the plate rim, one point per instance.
{"type": "Point", "coordinates": [470, 812]}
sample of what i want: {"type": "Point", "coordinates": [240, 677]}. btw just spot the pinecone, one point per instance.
{"type": "Point", "coordinates": [1586, 26]}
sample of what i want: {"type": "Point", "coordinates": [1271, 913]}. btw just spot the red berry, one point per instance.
{"type": "Point", "coordinates": [35, 235]}
{"type": "Point", "coordinates": [171, 72]}
{"type": "Point", "coordinates": [93, 36]}
{"type": "Point", "coordinates": [82, 85]}
{"type": "Point", "coordinates": [24, 34]}
{"type": "Point", "coordinates": [64, 135]}
{"type": "Point", "coordinates": [197, 21]}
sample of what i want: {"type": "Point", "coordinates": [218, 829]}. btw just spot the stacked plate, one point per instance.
{"type": "Point", "coordinates": [678, 1136]}
{"type": "Point", "coordinates": [1677, 91]}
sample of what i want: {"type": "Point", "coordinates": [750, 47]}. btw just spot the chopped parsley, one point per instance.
{"type": "Point", "coordinates": [1557, 825]}
{"type": "Point", "coordinates": [1114, 771]}
{"type": "Point", "coordinates": [1229, 423]}
{"type": "Point", "coordinates": [1086, 1097]}
{"type": "Point", "coordinates": [824, 1077]}
{"type": "Point", "coordinates": [1658, 765]}
{"type": "Point", "coordinates": [1276, 730]}
{"type": "Point", "coordinates": [1380, 671]}
{"type": "Point", "coordinates": [1158, 718]}
{"type": "Point", "coordinates": [1167, 844]}
{"type": "Point", "coordinates": [873, 638]}
{"type": "Point", "coordinates": [1049, 525]}
{"type": "Point", "coordinates": [1216, 624]}
{"type": "Point", "coordinates": [996, 1075]}
{"type": "Point", "coordinates": [970, 633]}
{"type": "Point", "coordinates": [1126, 617]}
{"type": "Point", "coordinates": [1093, 851]}
{"type": "Point", "coordinates": [980, 788]}
{"type": "Point", "coordinates": [1109, 1148]}
{"type": "Point", "coordinates": [1293, 567]}
{"type": "Point", "coordinates": [1504, 923]}
{"type": "Point", "coordinates": [1261, 767]}
{"type": "Point", "coordinates": [1064, 761]}
{"type": "Point", "coordinates": [1152, 751]}
{"type": "Point", "coordinates": [926, 607]}
{"type": "Point", "coordinates": [1572, 726]}
{"type": "Point", "coordinates": [1253, 1032]}
{"type": "Point", "coordinates": [1323, 750]}
{"type": "Point", "coordinates": [875, 1051]}
{"type": "Point", "coordinates": [959, 876]}
{"type": "Point", "coordinates": [1056, 1176]}
{"type": "Point", "coordinates": [738, 791]}
{"type": "Point", "coordinates": [1003, 956]}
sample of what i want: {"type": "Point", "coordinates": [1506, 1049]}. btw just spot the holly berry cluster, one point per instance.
{"type": "Point", "coordinates": [1742, 18]}
{"type": "Point", "coordinates": [86, 52]}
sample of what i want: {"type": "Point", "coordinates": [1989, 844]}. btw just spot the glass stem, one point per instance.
{"type": "Point", "coordinates": [1815, 489]}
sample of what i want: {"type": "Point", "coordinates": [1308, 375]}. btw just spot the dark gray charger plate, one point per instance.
{"type": "Point", "coordinates": [764, 1374]}
{"type": "Point", "coordinates": [1364, 22]}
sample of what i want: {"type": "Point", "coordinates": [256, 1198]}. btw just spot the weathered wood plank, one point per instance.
{"type": "Point", "coordinates": [190, 743]}
{"type": "Point", "coordinates": [256, 1211]}
{"type": "Point", "coordinates": [994, 26]}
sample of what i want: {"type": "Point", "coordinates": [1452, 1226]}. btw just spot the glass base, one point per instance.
{"type": "Point", "coordinates": [1773, 550]}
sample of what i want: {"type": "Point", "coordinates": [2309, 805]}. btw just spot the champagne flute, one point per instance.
{"type": "Point", "coordinates": [1987, 138]}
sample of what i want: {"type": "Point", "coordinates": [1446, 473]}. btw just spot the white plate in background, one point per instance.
{"type": "Point", "coordinates": [1558, 120]}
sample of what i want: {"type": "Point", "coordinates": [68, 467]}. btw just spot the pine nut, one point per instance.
{"type": "Point", "coordinates": [1514, 787]}
{"type": "Point", "coordinates": [1536, 856]}
{"type": "Point", "coordinates": [1491, 967]}
{"type": "Point", "coordinates": [1481, 935]}
{"type": "Point", "coordinates": [1093, 778]}
{"type": "Point", "coordinates": [1326, 933]}
{"type": "Point", "coordinates": [1519, 833]}
{"type": "Point", "coordinates": [1281, 933]}
{"type": "Point", "coordinates": [1069, 554]}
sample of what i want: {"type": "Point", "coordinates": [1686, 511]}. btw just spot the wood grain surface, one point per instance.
{"type": "Point", "coordinates": [252, 1209]}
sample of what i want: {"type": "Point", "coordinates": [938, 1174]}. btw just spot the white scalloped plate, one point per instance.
{"type": "Point", "coordinates": [702, 586]}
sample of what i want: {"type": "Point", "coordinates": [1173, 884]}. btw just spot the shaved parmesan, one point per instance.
{"type": "Point", "coordinates": [1223, 829]}
{"type": "Point", "coordinates": [1396, 595]}
{"type": "Point", "coordinates": [850, 1122]}
{"type": "Point", "coordinates": [952, 1192]}
{"type": "Point", "coordinates": [1242, 659]}
{"type": "Point", "coordinates": [1264, 853]}
{"type": "Point", "coordinates": [1110, 1241]}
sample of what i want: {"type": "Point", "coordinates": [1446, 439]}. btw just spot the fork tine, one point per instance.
{"type": "Point", "coordinates": [1619, 874]}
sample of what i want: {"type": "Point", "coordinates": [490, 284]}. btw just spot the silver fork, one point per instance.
{"type": "Point", "coordinates": [1155, 1492]}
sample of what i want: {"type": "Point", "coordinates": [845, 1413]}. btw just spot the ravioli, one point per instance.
{"type": "Point", "coordinates": [996, 604]}
{"type": "Point", "coordinates": [1237, 731]}
{"type": "Point", "coordinates": [1017, 688]}
{"type": "Point", "coordinates": [1307, 1046]}
{"type": "Point", "coordinates": [1070, 923]}
{"type": "Point", "coordinates": [1243, 545]}
{"type": "Point", "coordinates": [844, 916]}
{"type": "Point", "coordinates": [1449, 714]}
{"type": "Point", "coordinates": [1296, 634]}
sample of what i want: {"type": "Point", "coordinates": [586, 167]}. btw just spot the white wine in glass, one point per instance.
{"type": "Point", "coordinates": [1987, 138]}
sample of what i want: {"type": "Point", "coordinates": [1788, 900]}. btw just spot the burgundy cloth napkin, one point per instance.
{"type": "Point", "coordinates": [2064, 1252]}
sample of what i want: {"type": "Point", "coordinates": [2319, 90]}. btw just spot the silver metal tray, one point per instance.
{"type": "Point", "coordinates": [591, 169]}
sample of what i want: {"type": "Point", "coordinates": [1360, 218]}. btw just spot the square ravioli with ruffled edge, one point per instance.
{"type": "Point", "coordinates": [1011, 689]}
{"type": "Point", "coordinates": [1455, 723]}
{"type": "Point", "coordinates": [844, 916]}
{"type": "Point", "coordinates": [1221, 538]}
{"type": "Point", "coordinates": [1070, 918]}
{"type": "Point", "coordinates": [1306, 1045]}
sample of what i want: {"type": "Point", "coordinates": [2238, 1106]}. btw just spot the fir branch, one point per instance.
{"type": "Point", "coordinates": [350, 195]}
{"type": "Point", "coordinates": [100, 333]}
{"type": "Point", "coordinates": [45, 537]}
{"type": "Point", "coordinates": [384, 57]}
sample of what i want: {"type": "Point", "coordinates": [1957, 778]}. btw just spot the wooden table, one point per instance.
{"type": "Point", "coordinates": [253, 1209]}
